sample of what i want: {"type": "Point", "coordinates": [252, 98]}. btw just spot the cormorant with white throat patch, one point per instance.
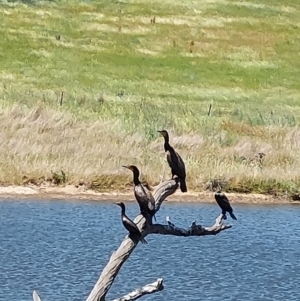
{"type": "Point", "coordinates": [143, 195]}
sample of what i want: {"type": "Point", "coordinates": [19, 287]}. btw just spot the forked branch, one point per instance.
{"type": "Point", "coordinates": [193, 230]}
{"type": "Point", "coordinates": [163, 190]}
{"type": "Point", "coordinates": [144, 290]}
{"type": "Point", "coordinates": [117, 259]}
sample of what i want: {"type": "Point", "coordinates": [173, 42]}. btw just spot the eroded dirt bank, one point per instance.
{"type": "Point", "coordinates": [80, 193]}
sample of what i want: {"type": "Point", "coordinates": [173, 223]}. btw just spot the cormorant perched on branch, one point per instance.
{"type": "Point", "coordinates": [130, 225]}
{"type": "Point", "coordinates": [224, 204]}
{"type": "Point", "coordinates": [143, 196]}
{"type": "Point", "coordinates": [175, 161]}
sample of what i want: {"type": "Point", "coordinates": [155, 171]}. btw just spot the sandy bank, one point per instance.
{"type": "Point", "coordinates": [81, 193]}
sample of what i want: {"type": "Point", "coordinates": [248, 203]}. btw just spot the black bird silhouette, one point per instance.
{"type": "Point", "coordinates": [130, 225]}
{"type": "Point", "coordinates": [143, 195]}
{"type": "Point", "coordinates": [224, 204]}
{"type": "Point", "coordinates": [175, 162]}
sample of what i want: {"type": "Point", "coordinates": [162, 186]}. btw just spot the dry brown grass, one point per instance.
{"type": "Point", "coordinates": [125, 77]}
{"type": "Point", "coordinates": [40, 142]}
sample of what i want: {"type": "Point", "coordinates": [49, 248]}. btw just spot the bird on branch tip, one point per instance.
{"type": "Point", "coordinates": [224, 204]}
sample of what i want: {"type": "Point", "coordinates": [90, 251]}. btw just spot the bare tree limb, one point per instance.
{"type": "Point", "coordinates": [193, 230]}
{"type": "Point", "coordinates": [144, 290]}
{"type": "Point", "coordinates": [163, 190]}
{"type": "Point", "coordinates": [117, 259]}
{"type": "Point", "coordinates": [115, 263]}
{"type": "Point", "coordinates": [35, 296]}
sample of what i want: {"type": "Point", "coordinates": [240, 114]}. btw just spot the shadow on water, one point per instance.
{"type": "Point", "coordinates": [59, 248]}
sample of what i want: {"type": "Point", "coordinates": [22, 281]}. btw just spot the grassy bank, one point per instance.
{"type": "Point", "coordinates": [124, 75]}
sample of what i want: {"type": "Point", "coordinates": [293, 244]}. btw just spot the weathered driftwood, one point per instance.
{"type": "Point", "coordinates": [117, 259]}
{"type": "Point", "coordinates": [35, 296]}
{"type": "Point", "coordinates": [163, 190]}
{"type": "Point", "coordinates": [193, 230]}
{"type": "Point", "coordinates": [144, 290]}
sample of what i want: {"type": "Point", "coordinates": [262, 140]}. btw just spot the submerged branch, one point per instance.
{"type": "Point", "coordinates": [193, 230]}
{"type": "Point", "coordinates": [35, 296]}
{"type": "Point", "coordinates": [144, 290]}
{"type": "Point", "coordinates": [118, 258]}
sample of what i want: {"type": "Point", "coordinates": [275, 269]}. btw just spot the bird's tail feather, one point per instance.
{"type": "Point", "coordinates": [143, 240]}
{"type": "Point", "coordinates": [182, 185]}
{"type": "Point", "coordinates": [232, 215]}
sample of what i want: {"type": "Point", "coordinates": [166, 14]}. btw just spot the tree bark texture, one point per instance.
{"type": "Point", "coordinates": [145, 290]}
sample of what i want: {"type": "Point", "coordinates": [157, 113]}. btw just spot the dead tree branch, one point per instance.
{"type": "Point", "coordinates": [144, 290]}
{"type": "Point", "coordinates": [117, 259]}
{"type": "Point", "coordinates": [163, 190]}
{"type": "Point", "coordinates": [127, 246]}
{"type": "Point", "coordinates": [193, 230]}
{"type": "Point", "coordinates": [35, 296]}
{"type": "Point", "coordinates": [112, 268]}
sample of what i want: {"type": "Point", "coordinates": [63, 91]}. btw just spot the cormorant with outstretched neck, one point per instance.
{"type": "Point", "coordinates": [224, 204]}
{"type": "Point", "coordinates": [142, 194]}
{"type": "Point", "coordinates": [130, 225]}
{"type": "Point", "coordinates": [175, 162]}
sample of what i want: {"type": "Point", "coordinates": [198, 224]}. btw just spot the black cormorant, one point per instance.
{"type": "Point", "coordinates": [130, 225]}
{"type": "Point", "coordinates": [224, 204]}
{"type": "Point", "coordinates": [175, 161]}
{"type": "Point", "coordinates": [142, 194]}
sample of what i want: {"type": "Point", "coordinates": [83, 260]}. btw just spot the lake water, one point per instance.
{"type": "Point", "coordinates": [59, 249]}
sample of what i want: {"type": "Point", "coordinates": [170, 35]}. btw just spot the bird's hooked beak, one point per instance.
{"type": "Point", "coordinates": [117, 203]}
{"type": "Point", "coordinates": [130, 167]}
{"type": "Point", "coordinates": [162, 133]}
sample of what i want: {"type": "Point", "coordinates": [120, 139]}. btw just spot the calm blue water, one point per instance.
{"type": "Point", "coordinates": [59, 248]}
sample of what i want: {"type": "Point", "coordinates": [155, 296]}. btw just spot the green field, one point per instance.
{"type": "Point", "coordinates": [129, 68]}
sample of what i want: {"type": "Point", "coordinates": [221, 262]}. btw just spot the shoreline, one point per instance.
{"type": "Point", "coordinates": [73, 192]}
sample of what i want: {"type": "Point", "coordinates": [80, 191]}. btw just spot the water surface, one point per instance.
{"type": "Point", "coordinates": [60, 247]}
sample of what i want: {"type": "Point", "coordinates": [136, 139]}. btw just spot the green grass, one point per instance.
{"type": "Point", "coordinates": [124, 77]}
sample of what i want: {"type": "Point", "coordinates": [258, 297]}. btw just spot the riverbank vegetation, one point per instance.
{"type": "Point", "coordinates": [84, 87]}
